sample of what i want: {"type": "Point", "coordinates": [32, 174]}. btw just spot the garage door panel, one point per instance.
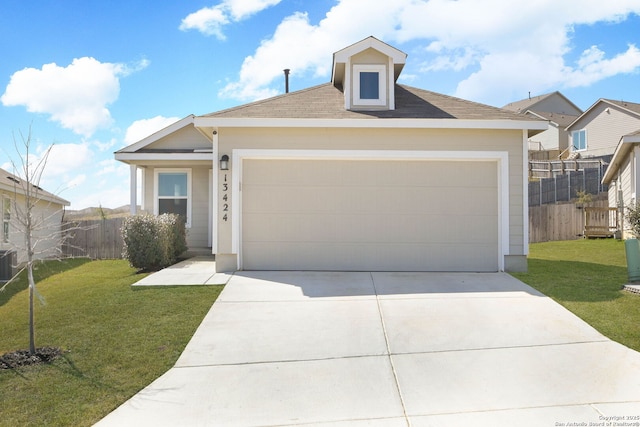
{"type": "Point", "coordinates": [369, 215]}
{"type": "Point", "coordinates": [363, 199]}
{"type": "Point", "coordinates": [371, 228]}
{"type": "Point", "coordinates": [343, 257]}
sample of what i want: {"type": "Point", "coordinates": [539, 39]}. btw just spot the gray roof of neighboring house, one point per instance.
{"type": "Point", "coordinates": [327, 102]}
{"type": "Point", "coordinates": [631, 106]}
{"type": "Point", "coordinates": [563, 120]}
{"type": "Point", "coordinates": [12, 183]}
{"type": "Point", "coordinates": [529, 103]}
{"type": "Point", "coordinates": [524, 104]}
{"type": "Point", "coordinates": [625, 146]}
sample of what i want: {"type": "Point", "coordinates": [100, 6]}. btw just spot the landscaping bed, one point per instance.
{"type": "Point", "coordinates": [20, 358]}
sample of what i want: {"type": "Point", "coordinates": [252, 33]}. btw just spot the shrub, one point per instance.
{"type": "Point", "coordinates": [152, 243]}
{"type": "Point", "coordinates": [633, 217]}
{"type": "Point", "coordinates": [176, 234]}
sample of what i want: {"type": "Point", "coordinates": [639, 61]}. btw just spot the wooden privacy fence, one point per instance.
{"type": "Point", "coordinates": [566, 221]}
{"type": "Point", "coordinates": [96, 239]}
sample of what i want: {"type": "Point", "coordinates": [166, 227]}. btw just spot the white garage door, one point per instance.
{"type": "Point", "coordinates": [369, 215]}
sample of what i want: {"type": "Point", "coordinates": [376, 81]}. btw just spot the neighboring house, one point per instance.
{"type": "Point", "coordinates": [47, 213]}
{"type": "Point", "coordinates": [560, 112]}
{"type": "Point", "coordinates": [623, 176]}
{"type": "Point", "coordinates": [597, 132]}
{"type": "Point", "coordinates": [359, 174]}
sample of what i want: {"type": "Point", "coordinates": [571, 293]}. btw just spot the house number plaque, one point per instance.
{"type": "Point", "coordinates": [225, 197]}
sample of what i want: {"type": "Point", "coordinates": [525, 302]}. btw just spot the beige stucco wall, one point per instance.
{"type": "Point", "coordinates": [510, 141]}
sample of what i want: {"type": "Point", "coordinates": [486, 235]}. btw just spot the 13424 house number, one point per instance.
{"type": "Point", "coordinates": [225, 198]}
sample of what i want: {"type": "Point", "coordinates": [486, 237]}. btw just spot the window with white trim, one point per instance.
{"type": "Point", "coordinates": [173, 192]}
{"type": "Point", "coordinates": [369, 87]}
{"type": "Point", "coordinates": [6, 218]}
{"type": "Point", "coordinates": [579, 140]}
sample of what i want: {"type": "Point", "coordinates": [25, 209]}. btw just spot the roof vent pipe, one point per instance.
{"type": "Point", "coordinates": [286, 80]}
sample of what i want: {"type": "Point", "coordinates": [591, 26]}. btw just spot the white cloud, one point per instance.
{"type": "Point", "coordinates": [141, 129]}
{"type": "Point", "coordinates": [104, 146]}
{"type": "Point", "coordinates": [211, 20]}
{"type": "Point", "coordinates": [501, 47]}
{"type": "Point", "coordinates": [306, 48]}
{"type": "Point", "coordinates": [593, 66]}
{"type": "Point", "coordinates": [75, 96]}
{"type": "Point", "coordinates": [66, 158]}
{"type": "Point", "coordinates": [208, 21]}
{"type": "Point", "coordinates": [63, 169]}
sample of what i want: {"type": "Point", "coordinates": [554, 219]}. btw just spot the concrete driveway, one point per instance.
{"type": "Point", "coordinates": [389, 349]}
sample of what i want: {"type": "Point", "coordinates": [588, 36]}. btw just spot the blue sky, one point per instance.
{"type": "Point", "coordinates": [91, 77]}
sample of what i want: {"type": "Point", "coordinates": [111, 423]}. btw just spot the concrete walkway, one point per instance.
{"type": "Point", "coordinates": [389, 349]}
{"type": "Point", "coordinates": [199, 270]}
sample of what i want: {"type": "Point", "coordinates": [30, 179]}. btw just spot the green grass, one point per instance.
{"type": "Point", "coordinates": [586, 276]}
{"type": "Point", "coordinates": [119, 339]}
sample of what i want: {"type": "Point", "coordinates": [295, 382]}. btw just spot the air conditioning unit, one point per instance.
{"type": "Point", "coordinates": [7, 261]}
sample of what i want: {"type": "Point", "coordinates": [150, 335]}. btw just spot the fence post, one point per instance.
{"type": "Point", "coordinates": [600, 187]}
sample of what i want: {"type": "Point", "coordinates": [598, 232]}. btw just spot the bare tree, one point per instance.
{"type": "Point", "coordinates": [41, 230]}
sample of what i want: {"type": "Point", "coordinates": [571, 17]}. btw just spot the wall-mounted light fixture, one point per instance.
{"type": "Point", "coordinates": [224, 163]}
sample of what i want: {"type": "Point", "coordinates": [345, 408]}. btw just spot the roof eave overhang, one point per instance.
{"type": "Point", "coordinates": [233, 122]}
{"type": "Point", "coordinates": [133, 158]}
{"type": "Point", "coordinates": [623, 149]}
{"type": "Point", "coordinates": [602, 101]}
{"type": "Point", "coordinates": [49, 198]}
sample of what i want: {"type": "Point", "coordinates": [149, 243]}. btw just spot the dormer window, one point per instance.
{"type": "Point", "coordinates": [369, 85]}
{"type": "Point", "coordinates": [366, 73]}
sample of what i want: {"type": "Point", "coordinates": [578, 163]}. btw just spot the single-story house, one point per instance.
{"type": "Point", "coordinates": [597, 132]}
{"type": "Point", "coordinates": [48, 214]}
{"type": "Point", "coordinates": [559, 111]}
{"type": "Point", "coordinates": [360, 173]}
{"type": "Point", "coordinates": [623, 177]}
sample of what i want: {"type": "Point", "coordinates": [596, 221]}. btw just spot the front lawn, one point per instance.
{"type": "Point", "coordinates": [117, 340]}
{"type": "Point", "coordinates": [586, 276]}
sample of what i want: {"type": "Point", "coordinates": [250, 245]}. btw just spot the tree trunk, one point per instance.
{"type": "Point", "coordinates": [32, 332]}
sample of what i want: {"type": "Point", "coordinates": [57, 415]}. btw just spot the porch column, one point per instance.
{"type": "Point", "coordinates": [133, 190]}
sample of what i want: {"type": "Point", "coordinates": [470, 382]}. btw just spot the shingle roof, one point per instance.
{"type": "Point", "coordinates": [563, 120]}
{"type": "Point", "coordinates": [327, 102]}
{"type": "Point", "coordinates": [631, 106]}
{"type": "Point", "coordinates": [13, 183]}
{"type": "Point", "coordinates": [524, 104]}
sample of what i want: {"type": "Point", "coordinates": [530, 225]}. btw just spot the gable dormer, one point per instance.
{"type": "Point", "coordinates": [366, 72]}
